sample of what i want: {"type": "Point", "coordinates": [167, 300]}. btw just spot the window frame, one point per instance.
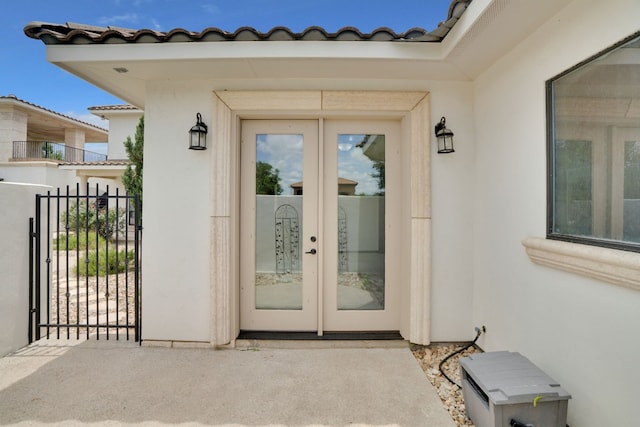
{"type": "Point", "coordinates": [551, 159]}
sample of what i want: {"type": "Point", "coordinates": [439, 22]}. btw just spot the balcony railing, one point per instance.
{"type": "Point", "coordinates": [53, 151]}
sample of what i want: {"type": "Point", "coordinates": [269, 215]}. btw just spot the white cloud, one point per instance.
{"type": "Point", "coordinates": [211, 9]}
{"type": "Point", "coordinates": [354, 165]}
{"type": "Point", "coordinates": [155, 25]}
{"type": "Point", "coordinates": [127, 18]}
{"type": "Point", "coordinates": [284, 152]}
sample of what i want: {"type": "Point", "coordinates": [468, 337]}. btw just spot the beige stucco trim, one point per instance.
{"type": "Point", "coordinates": [609, 265]}
{"type": "Point", "coordinates": [420, 255]}
{"type": "Point", "coordinates": [370, 101]}
{"type": "Point", "coordinates": [230, 106]}
{"type": "Point", "coordinates": [326, 100]}
{"type": "Point", "coordinates": [221, 238]}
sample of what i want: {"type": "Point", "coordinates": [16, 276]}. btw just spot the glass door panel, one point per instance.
{"type": "Point", "coordinates": [278, 271]}
{"type": "Point", "coordinates": [361, 208]}
{"type": "Point", "coordinates": [278, 275]}
{"type": "Point", "coordinates": [361, 222]}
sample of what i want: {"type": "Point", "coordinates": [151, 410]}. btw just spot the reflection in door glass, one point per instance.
{"type": "Point", "coordinates": [361, 223]}
{"type": "Point", "coordinates": [278, 222]}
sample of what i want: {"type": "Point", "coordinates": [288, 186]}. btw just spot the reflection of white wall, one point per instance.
{"type": "Point", "coordinates": [365, 231]}
{"type": "Point", "coordinates": [365, 226]}
{"type": "Point", "coordinates": [266, 207]}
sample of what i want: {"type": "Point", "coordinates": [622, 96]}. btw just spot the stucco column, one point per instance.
{"type": "Point", "coordinates": [13, 127]}
{"type": "Point", "coordinates": [83, 180]}
{"type": "Point", "coordinates": [74, 138]}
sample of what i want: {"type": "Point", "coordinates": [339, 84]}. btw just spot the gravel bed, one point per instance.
{"type": "Point", "coordinates": [429, 358]}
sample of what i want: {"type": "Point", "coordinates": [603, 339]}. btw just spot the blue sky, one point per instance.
{"type": "Point", "coordinates": [25, 72]}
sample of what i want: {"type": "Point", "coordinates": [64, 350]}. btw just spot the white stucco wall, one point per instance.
{"type": "Point", "coordinates": [121, 126]}
{"type": "Point", "coordinates": [16, 206]}
{"type": "Point", "coordinates": [176, 212]}
{"type": "Point", "coordinates": [580, 331]}
{"type": "Point", "coordinates": [176, 302]}
{"type": "Point", "coordinates": [37, 173]}
{"type": "Point", "coordinates": [452, 200]}
{"type": "Point", "coordinates": [51, 175]}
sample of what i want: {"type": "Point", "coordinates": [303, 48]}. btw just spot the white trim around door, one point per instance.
{"type": "Point", "coordinates": [320, 230]}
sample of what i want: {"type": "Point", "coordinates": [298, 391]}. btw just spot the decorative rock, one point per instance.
{"type": "Point", "coordinates": [429, 358]}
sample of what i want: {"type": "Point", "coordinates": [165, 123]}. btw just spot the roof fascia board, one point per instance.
{"type": "Point", "coordinates": [243, 50]}
{"type": "Point", "coordinates": [116, 113]}
{"type": "Point", "coordinates": [456, 34]}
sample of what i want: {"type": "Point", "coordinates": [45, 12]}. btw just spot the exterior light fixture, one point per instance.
{"type": "Point", "coordinates": [445, 137]}
{"type": "Point", "coordinates": [198, 135]}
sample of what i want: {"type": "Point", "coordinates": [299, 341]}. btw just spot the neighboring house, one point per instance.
{"type": "Point", "coordinates": [123, 120]}
{"type": "Point", "coordinates": [446, 252]}
{"type": "Point", "coordinates": [41, 146]}
{"type": "Point", "coordinates": [35, 141]}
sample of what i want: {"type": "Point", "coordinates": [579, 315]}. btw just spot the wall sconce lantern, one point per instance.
{"type": "Point", "coordinates": [445, 137]}
{"type": "Point", "coordinates": [198, 135]}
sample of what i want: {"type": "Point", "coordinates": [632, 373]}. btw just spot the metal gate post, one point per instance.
{"type": "Point", "coordinates": [37, 266]}
{"type": "Point", "coordinates": [31, 261]}
{"type": "Point", "coordinates": [136, 264]}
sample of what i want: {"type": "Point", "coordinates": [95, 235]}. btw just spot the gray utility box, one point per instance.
{"type": "Point", "coordinates": [502, 386]}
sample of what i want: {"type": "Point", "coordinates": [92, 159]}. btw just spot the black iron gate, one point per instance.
{"type": "Point", "coordinates": [84, 276]}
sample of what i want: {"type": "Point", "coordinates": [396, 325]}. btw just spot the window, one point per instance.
{"type": "Point", "coordinates": [594, 150]}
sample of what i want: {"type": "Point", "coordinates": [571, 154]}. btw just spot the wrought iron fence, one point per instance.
{"type": "Point", "coordinates": [85, 266]}
{"type": "Point", "coordinates": [54, 151]}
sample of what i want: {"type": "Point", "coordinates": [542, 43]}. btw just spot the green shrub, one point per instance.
{"type": "Point", "coordinates": [82, 218]}
{"type": "Point", "coordinates": [81, 242]}
{"type": "Point", "coordinates": [97, 264]}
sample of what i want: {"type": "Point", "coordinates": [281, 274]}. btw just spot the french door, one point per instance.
{"type": "Point", "coordinates": [320, 212]}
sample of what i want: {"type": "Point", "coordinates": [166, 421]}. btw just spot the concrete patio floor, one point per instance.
{"type": "Point", "coordinates": [115, 383]}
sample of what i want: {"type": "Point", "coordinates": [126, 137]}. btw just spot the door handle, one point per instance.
{"type": "Point", "coordinates": [312, 252]}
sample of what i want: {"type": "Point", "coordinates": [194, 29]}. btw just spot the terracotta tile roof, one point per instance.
{"type": "Point", "coordinates": [101, 163]}
{"type": "Point", "coordinates": [72, 33]}
{"type": "Point", "coordinates": [15, 98]}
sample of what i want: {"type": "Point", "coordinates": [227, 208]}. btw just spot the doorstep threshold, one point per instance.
{"type": "Point", "coordinates": [308, 340]}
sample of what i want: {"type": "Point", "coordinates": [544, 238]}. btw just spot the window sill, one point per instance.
{"type": "Point", "coordinates": [618, 267]}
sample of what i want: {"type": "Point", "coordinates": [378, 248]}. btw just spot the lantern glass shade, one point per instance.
{"type": "Point", "coordinates": [198, 135]}
{"type": "Point", "coordinates": [444, 137]}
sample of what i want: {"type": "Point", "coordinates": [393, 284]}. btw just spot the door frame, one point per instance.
{"type": "Point", "coordinates": [319, 310]}
{"type": "Point", "coordinates": [410, 108]}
